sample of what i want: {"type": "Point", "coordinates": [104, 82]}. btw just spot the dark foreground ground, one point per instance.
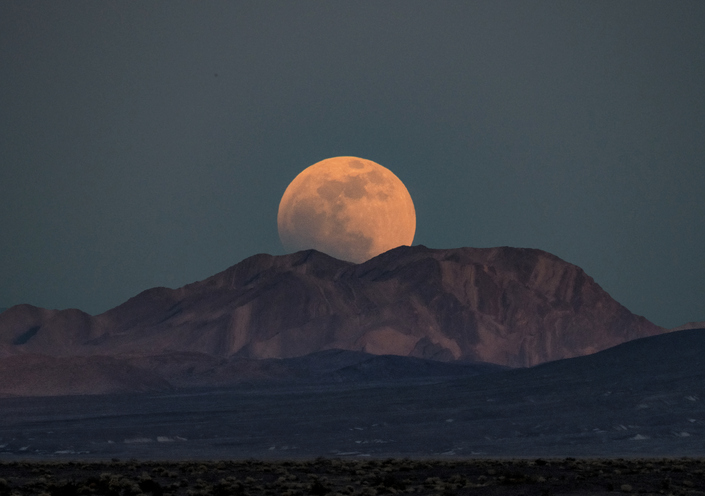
{"type": "Point", "coordinates": [357, 477]}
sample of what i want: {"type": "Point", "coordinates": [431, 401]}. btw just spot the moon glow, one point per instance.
{"type": "Point", "coordinates": [347, 207]}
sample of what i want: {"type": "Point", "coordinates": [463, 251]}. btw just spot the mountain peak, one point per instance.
{"type": "Point", "coordinates": [503, 305]}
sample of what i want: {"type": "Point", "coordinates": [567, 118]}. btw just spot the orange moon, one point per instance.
{"type": "Point", "coordinates": [347, 207]}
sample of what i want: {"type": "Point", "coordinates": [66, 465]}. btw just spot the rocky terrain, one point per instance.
{"type": "Point", "coordinates": [506, 306]}
{"type": "Point", "coordinates": [358, 477]}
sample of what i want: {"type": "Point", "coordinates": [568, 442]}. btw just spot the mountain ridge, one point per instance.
{"type": "Point", "coordinates": [513, 307]}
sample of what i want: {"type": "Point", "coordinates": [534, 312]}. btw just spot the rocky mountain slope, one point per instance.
{"type": "Point", "coordinates": [509, 306]}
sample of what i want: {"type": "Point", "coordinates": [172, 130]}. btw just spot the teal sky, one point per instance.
{"type": "Point", "coordinates": [148, 144]}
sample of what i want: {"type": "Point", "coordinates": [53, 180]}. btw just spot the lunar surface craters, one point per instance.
{"type": "Point", "coordinates": [349, 208]}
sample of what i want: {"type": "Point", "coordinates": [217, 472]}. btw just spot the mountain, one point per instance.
{"type": "Point", "coordinates": [509, 306]}
{"type": "Point", "coordinates": [676, 357]}
{"type": "Point", "coordinates": [689, 325]}
{"type": "Point", "coordinates": [43, 375]}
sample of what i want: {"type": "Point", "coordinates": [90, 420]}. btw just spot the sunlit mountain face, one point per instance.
{"type": "Point", "coordinates": [506, 306]}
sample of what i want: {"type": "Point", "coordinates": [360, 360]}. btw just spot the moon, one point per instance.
{"type": "Point", "coordinates": [347, 207]}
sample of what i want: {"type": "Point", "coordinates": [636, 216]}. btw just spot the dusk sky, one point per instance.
{"type": "Point", "coordinates": [148, 144]}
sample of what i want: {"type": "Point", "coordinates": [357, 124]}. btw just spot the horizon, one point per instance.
{"type": "Point", "coordinates": [2, 309]}
{"type": "Point", "coordinates": [149, 145]}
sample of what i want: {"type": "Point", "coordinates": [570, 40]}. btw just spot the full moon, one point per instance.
{"type": "Point", "coordinates": [347, 207]}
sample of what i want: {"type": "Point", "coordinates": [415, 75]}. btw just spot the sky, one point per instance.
{"type": "Point", "coordinates": [148, 144]}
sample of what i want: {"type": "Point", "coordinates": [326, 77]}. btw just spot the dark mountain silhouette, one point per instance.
{"type": "Point", "coordinates": [188, 370]}
{"type": "Point", "coordinates": [668, 358]}
{"type": "Point", "coordinates": [508, 306]}
{"type": "Point", "coordinates": [41, 375]}
{"type": "Point", "coordinates": [689, 325]}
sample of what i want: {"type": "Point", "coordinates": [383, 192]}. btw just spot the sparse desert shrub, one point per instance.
{"type": "Point", "coordinates": [64, 489]}
{"type": "Point", "coordinates": [340, 477]}
{"type": "Point", "coordinates": [228, 488]}
{"type": "Point", "coordinates": [151, 486]}
{"type": "Point", "coordinates": [197, 492]}
{"type": "Point", "coordinates": [318, 488]}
